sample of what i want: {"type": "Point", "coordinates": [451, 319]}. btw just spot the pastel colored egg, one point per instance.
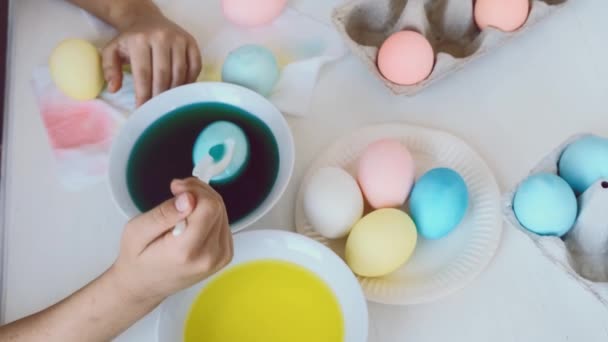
{"type": "Point", "coordinates": [253, 67]}
{"type": "Point", "coordinates": [250, 13]}
{"type": "Point", "coordinates": [584, 162]}
{"type": "Point", "coordinates": [504, 15]}
{"type": "Point", "coordinates": [386, 173]}
{"type": "Point", "coordinates": [406, 58]}
{"type": "Point", "coordinates": [438, 202]}
{"type": "Point", "coordinates": [380, 243]}
{"type": "Point", "coordinates": [75, 66]}
{"type": "Point", "coordinates": [546, 205]}
{"type": "Point", "coordinates": [333, 202]}
{"type": "Point", "coordinates": [216, 135]}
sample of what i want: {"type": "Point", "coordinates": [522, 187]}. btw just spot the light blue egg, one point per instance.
{"type": "Point", "coordinates": [438, 202]}
{"type": "Point", "coordinates": [253, 67]}
{"type": "Point", "coordinates": [545, 204]}
{"type": "Point", "coordinates": [584, 162]}
{"type": "Point", "coordinates": [210, 141]}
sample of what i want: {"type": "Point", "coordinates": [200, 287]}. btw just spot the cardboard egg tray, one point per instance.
{"type": "Point", "coordinates": [583, 252]}
{"type": "Point", "coordinates": [447, 24]}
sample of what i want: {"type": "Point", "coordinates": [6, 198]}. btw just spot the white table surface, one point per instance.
{"type": "Point", "coordinates": [513, 106]}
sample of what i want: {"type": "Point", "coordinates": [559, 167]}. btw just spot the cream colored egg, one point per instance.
{"type": "Point", "coordinates": [333, 202]}
{"type": "Point", "coordinates": [381, 242]}
{"type": "Point", "coordinates": [76, 69]}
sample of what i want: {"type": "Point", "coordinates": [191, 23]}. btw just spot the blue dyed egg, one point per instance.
{"type": "Point", "coordinates": [438, 202]}
{"type": "Point", "coordinates": [584, 162]}
{"type": "Point", "coordinates": [253, 67]}
{"type": "Point", "coordinates": [546, 205]}
{"type": "Point", "coordinates": [214, 136]}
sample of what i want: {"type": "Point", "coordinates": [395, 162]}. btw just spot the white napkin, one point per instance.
{"type": "Point", "coordinates": [301, 44]}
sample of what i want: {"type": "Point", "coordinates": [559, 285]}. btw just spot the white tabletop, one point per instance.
{"type": "Point", "coordinates": [514, 105]}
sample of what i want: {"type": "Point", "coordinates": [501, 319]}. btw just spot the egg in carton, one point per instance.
{"type": "Point", "coordinates": [583, 251]}
{"type": "Point", "coordinates": [449, 26]}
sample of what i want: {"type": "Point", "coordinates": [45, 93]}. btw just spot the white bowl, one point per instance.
{"type": "Point", "coordinates": [175, 98]}
{"type": "Point", "coordinates": [281, 245]}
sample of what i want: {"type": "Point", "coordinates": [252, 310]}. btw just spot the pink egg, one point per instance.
{"type": "Point", "coordinates": [406, 58]}
{"type": "Point", "coordinates": [386, 173]}
{"type": "Point", "coordinates": [251, 13]}
{"type": "Point", "coordinates": [504, 15]}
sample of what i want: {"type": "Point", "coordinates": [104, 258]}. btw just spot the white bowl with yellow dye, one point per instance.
{"type": "Point", "coordinates": [284, 247]}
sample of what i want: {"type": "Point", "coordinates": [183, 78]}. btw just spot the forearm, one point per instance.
{"type": "Point", "coordinates": [98, 312]}
{"type": "Point", "coordinates": [119, 13]}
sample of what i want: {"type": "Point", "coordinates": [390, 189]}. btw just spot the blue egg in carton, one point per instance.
{"type": "Point", "coordinates": [582, 251]}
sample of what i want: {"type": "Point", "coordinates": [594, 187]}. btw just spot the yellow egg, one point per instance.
{"type": "Point", "coordinates": [76, 69]}
{"type": "Point", "coordinates": [381, 242]}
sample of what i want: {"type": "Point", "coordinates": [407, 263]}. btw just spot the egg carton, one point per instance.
{"type": "Point", "coordinates": [583, 252]}
{"type": "Point", "coordinates": [449, 26]}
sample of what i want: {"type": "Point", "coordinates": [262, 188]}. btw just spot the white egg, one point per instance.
{"type": "Point", "coordinates": [333, 202]}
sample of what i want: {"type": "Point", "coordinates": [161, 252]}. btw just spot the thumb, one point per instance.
{"type": "Point", "coordinates": [112, 67]}
{"type": "Point", "coordinates": [158, 221]}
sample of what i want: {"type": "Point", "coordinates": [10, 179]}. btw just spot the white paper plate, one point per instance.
{"type": "Point", "coordinates": [437, 267]}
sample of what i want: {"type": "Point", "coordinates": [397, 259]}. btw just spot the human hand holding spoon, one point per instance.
{"type": "Point", "coordinates": [220, 153]}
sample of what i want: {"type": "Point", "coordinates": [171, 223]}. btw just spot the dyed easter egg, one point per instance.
{"type": "Point", "coordinates": [504, 15]}
{"type": "Point", "coordinates": [253, 67]}
{"type": "Point", "coordinates": [406, 58]}
{"type": "Point", "coordinates": [438, 202]}
{"type": "Point", "coordinates": [75, 66]}
{"type": "Point", "coordinates": [380, 243]}
{"type": "Point", "coordinates": [584, 162]}
{"type": "Point", "coordinates": [546, 205]}
{"type": "Point", "coordinates": [333, 202]}
{"type": "Point", "coordinates": [386, 173]}
{"type": "Point", "coordinates": [214, 136]}
{"type": "Point", "coordinates": [250, 13]}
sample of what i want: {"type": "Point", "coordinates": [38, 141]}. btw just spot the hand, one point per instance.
{"type": "Point", "coordinates": [153, 263]}
{"type": "Point", "coordinates": [162, 56]}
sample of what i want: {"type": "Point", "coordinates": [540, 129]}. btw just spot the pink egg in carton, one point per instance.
{"type": "Point", "coordinates": [583, 251]}
{"type": "Point", "coordinates": [449, 25]}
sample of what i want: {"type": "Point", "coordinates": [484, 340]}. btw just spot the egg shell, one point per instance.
{"type": "Point", "coordinates": [75, 67]}
{"type": "Point", "coordinates": [333, 202]}
{"type": "Point", "coordinates": [380, 243]}
{"type": "Point", "coordinates": [216, 134]}
{"type": "Point", "coordinates": [253, 67]}
{"type": "Point", "coordinates": [505, 15]}
{"type": "Point", "coordinates": [386, 173]}
{"type": "Point", "coordinates": [545, 204]}
{"type": "Point", "coordinates": [249, 13]}
{"type": "Point", "coordinates": [584, 162]}
{"type": "Point", "coordinates": [438, 202]}
{"type": "Point", "coordinates": [406, 58]}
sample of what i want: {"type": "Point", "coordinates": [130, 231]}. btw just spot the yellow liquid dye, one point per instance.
{"type": "Point", "coordinates": [265, 301]}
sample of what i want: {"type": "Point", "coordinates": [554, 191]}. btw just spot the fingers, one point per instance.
{"type": "Point", "coordinates": [226, 245]}
{"type": "Point", "coordinates": [161, 64]}
{"type": "Point", "coordinates": [180, 63]}
{"type": "Point", "coordinates": [194, 62]}
{"type": "Point", "coordinates": [141, 66]}
{"type": "Point", "coordinates": [207, 216]}
{"type": "Point", "coordinates": [112, 66]}
{"type": "Point", "coordinates": [159, 61]}
{"type": "Point", "coordinates": [203, 223]}
{"type": "Point", "coordinates": [158, 221]}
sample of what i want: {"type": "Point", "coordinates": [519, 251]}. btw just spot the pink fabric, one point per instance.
{"type": "Point", "coordinates": [70, 125]}
{"type": "Point", "coordinates": [80, 133]}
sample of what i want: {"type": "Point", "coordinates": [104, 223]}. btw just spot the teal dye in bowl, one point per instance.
{"type": "Point", "coordinates": [164, 152]}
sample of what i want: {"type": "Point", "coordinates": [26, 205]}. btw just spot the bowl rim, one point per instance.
{"type": "Point", "coordinates": [287, 144]}
{"type": "Point", "coordinates": [361, 317]}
